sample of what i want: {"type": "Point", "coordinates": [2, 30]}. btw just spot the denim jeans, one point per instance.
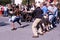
{"type": "Point", "coordinates": [5, 13]}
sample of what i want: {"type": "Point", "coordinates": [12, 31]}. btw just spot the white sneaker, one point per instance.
{"type": "Point", "coordinates": [51, 26]}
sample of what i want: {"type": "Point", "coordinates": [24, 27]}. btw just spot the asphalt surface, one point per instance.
{"type": "Point", "coordinates": [24, 33]}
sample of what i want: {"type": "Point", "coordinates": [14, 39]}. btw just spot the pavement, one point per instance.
{"type": "Point", "coordinates": [25, 33]}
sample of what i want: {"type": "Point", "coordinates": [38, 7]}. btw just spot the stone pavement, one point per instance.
{"type": "Point", "coordinates": [26, 32]}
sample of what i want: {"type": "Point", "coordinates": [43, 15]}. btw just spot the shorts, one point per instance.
{"type": "Point", "coordinates": [15, 20]}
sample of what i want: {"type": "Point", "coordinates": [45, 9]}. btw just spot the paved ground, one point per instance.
{"type": "Point", "coordinates": [24, 33]}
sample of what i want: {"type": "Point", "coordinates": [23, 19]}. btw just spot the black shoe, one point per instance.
{"type": "Point", "coordinates": [14, 29]}
{"type": "Point", "coordinates": [20, 24]}
{"type": "Point", "coordinates": [35, 36]}
{"type": "Point", "coordinates": [47, 30]}
{"type": "Point", "coordinates": [54, 26]}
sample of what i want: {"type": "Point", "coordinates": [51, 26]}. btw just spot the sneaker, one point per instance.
{"type": "Point", "coordinates": [35, 36]}
{"type": "Point", "coordinates": [14, 29]}
{"type": "Point", "coordinates": [44, 31]}
{"type": "Point", "coordinates": [40, 33]}
{"type": "Point", "coordinates": [52, 26]}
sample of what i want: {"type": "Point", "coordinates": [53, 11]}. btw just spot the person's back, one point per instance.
{"type": "Point", "coordinates": [38, 12]}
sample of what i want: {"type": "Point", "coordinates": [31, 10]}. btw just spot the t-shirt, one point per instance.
{"type": "Point", "coordinates": [45, 9]}
{"type": "Point", "coordinates": [50, 8]}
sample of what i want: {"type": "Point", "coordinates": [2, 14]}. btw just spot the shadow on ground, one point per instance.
{"type": "Point", "coordinates": [24, 26]}
{"type": "Point", "coordinates": [3, 24]}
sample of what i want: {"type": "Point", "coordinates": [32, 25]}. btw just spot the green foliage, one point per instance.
{"type": "Point", "coordinates": [24, 1]}
{"type": "Point", "coordinates": [4, 2]}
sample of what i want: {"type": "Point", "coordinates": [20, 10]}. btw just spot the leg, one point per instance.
{"type": "Point", "coordinates": [34, 29]}
{"type": "Point", "coordinates": [51, 17]}
{"type": "Point", "coordinates": [13, 26]}
{"type": "Point", "coordinates": [40, 31]}
{"type": "Point", "coordinates": [18, 22]}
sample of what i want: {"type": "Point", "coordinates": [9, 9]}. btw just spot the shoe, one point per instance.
{"type": "Point", "coordinates": [44, 31]}
{"type": "Point", "coordinates": [51, 26]}
{"type": "Point", "coordinates": [54, 26]}
{"type": "Point", "coordinates": [14, 29]}
{"type": "Point", "coordinates": [20, 24]}
{"type": "Point", "coordinates": [35, 36]}
{"type": "Point", "coordinates": [40, 33]}
{"type": "Point", "coordinates": [48, 31]}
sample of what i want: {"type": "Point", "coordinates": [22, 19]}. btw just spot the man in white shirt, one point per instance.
{"type": "Point", "coordinates": [5, 11]}
{"type": "Point", "coordinates": [50, 12]}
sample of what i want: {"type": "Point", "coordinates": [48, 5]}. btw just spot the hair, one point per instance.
{"type": "Point", "coordinates": [51, 4]}
{"type": "Point", "coordinates": [17, 6]}
{"type": "Point", "coordinates": [44, 4]}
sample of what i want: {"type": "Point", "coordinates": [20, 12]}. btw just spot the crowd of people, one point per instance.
{"type": "Point", "coordinates": [44, 16]}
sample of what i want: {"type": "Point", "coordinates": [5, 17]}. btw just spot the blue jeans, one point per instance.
{"type": "Point", "coordinates": [5, 13]}
{"type": "Point", "coordinates": [51, 17]}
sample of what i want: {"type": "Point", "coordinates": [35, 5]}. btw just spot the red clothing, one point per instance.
{"type": "Point", "coordinates": [0, 12]}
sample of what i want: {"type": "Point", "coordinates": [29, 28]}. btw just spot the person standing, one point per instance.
{"type": "Point", "coordinates": [38, 17]}
{"type": "Point", "coordinates": [0, 10]}
{"type": "Point", "coordinates": [5, 11]}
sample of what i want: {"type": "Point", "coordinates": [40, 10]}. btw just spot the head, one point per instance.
{"type": "Point", "coordinates": [17, 8]}
{"type": "Point", "coordinates": [37, 3]}
{"type": "Point", "coordinates": [44, 4]}
{"type": "Point", "coordinates": [41, 5]}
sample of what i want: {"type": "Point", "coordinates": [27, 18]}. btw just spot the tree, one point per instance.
{"type": "Point", "coordinates": [26, 1]}
{"type": "Point", "coordinates": [4, 2]}
{"type": "Point", "coordinates": [32, 1]}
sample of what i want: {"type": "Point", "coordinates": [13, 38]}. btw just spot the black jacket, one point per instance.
{"type": "Point", "coordinates": [38, 13]}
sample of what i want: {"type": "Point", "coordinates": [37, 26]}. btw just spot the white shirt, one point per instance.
{"type": "Point", "coordinates": [50, 8]}
{"type": "Point", "coordinates": [55, 10]}
{"type": "Point", "coordinates": [5, 8]}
